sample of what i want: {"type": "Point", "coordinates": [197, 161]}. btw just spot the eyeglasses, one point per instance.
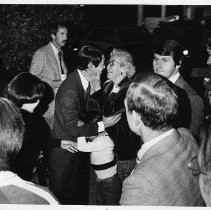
{"type": "Point", "coordinates": [195, 167]}
{"type": "Point", "coordinates": [111, 63]}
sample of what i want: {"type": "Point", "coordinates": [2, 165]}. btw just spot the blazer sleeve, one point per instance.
{"type": "Point", "coordinates": [38, 65]}
{"type": "Point", "coordinates": [138, 190]}
{"type": "Point", "coordinates": [71, 115]}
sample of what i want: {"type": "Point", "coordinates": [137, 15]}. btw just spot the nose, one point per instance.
{"type": "Point", "coordinates": [209, 60]}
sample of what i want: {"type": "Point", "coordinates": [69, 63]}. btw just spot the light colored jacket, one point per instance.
{"type": "Point", "coordinates": [162, 178]}
{"type": "Point", "coordinates": [45, 66]}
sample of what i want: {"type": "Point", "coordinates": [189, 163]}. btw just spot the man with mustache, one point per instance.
{"type": "Point", "coordinates": [48, 64]}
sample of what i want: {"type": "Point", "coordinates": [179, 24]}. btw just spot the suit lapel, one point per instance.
{"type": "Point", "coordinates": [53, 61]}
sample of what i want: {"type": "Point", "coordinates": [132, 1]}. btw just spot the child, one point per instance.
{"type": "Point", "coordinates": [104, 164]}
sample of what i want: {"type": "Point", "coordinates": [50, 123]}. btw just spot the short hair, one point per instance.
{"type": "Point", "coordinates": [154, 98]}
{"type": "Point", "coordinates": [11, 133]}
{"type": "Point", "coordinates": [126, 59]}
{"type": "Point", "coordinates": [24, 88]}
{"type": "Point", "coordinates": [54, 27]}
{"type": "Point", "coordinates": [88, 54]}
{"type": "Point", "coordinates": [170, 48]}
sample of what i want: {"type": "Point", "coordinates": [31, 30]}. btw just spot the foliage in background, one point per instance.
{"type": "Point", "coordinates": [23, 30]}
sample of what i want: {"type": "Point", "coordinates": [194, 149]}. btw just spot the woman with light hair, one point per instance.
{"type": "Point", "coordinates": [120, 72]}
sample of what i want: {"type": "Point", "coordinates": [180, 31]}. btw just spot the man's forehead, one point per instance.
{"type": "Point", "coordinates": [62, 29]}
{"type": "Point", "coordinates": [162, 56]}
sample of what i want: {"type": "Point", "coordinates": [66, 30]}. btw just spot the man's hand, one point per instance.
{"type": "Point", "coordinates": [110, 121]}
{"type": "Point", "coordinates": [69, 145]}
{"type": "Point", "coordinates": [94, 78]}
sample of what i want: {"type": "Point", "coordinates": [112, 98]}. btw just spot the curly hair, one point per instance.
{"type": "Point", "coordinates": [126, 61]}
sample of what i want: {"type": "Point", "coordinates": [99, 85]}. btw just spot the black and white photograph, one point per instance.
{"type": "Point", "coordinates": [105, 104]}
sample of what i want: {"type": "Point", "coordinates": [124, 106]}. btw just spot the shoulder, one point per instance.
{"type": "Point", "coordinates": [185, 85]}
{"type": "Point", "coordinates": [43, 50]}
{"type": "Point", "coordinates": [18, 191]}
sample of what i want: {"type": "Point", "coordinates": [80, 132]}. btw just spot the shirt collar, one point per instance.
{"type": "Point", "coordinates": [84, 81]}
{"type": "Point", "coordinates": [174, 77]}
{"type": "Point", "coordinates": [55, 50]}
{"type": "Point", "coordinates": [6, 176]}
{"type": "Point", "coordinates": [146, 146]}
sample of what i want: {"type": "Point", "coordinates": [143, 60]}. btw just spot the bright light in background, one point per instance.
{"type": "Point", "coordinates": [185, 52]}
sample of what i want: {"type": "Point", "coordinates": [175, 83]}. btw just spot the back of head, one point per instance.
{"type": "Point", "coordinates": [11, 132]}
{"type": "Point", "coordinates": [170, 48]}
{"type": "Point", "coordinates": [86, 55]}
{"type": "Point", "coordinates": [24, 88]}
{"type": "Point", "coordinates": [154, 99]}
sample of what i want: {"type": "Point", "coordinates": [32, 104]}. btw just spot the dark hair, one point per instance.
{"type": "Point", "coordinates": [88, 54]}
{"type": "Point", "coordinates": [54, 27]}
{"type": "Point", "coordinates": [170, 48]}
{"type": "Point", "coordinates": [11, 133]}
{"type": "Point", "coordinates": [153, 97]}
{"type": "Point", "coordinates": [24, 88]}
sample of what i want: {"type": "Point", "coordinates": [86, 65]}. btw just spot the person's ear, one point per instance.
{"type": "Point", "coordinates": [53, 36]}
{"type": "Point", "coordinates": [123, 72]}
{"type": "Point", "coordinates": [90, 65]}
{"type": "Point", "coordinates": [136, 118]}
{"type": "Point", "coordinates": [178, 66]}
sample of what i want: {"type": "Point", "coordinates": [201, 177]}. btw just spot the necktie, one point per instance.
{"type": "Point", "coordinates": [60, 61]}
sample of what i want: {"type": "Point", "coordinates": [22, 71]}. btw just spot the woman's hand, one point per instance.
{"type": "Point", "coordinates": [69, 145]}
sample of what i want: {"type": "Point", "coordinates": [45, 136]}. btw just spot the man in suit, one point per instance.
{"type": "Point", "coordinates": [161, 176]}
{"type": "Point", "coordinates": [167, 61]}
{"type": "Point", "coordinates": [48, 64]}
{"type": "Point", "coordinates": [69, 172]}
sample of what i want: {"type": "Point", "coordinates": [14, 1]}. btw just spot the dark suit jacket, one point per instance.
{"type": "Point", "coordinates": [69, 172]}
{"type": "Point", "coordinates": [196, 104]}
{"type": "Point", "coordinates": [162, 178]}
{"type": "Point", "coordinates": [70, 108]}
{"type": "Point", "coordinates": [126, 142]}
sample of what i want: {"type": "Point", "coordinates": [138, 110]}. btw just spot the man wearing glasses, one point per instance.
{"type": "Point", "coordinates": [161, 176]}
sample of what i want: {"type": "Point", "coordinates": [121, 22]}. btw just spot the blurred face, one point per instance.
{"type": "Point", "coordinates": [114, 68]}
{"type": "Point", "coordinates": [209, 58]}
{"type": "Point", "coordinates": [59, 40]}
{"type": "Point", "coordinates": [164, 65]}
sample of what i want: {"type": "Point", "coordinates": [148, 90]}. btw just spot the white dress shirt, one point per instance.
{"type": "Point", "coordinates": [56, 51]}
{"type": "Point", "coordinates": [85, 85]}
{"type": "Point", "coordinates": [174, 77]}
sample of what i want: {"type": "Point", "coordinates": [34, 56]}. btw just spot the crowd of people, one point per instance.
{"type": "Point", "coordinates": [141, 137]}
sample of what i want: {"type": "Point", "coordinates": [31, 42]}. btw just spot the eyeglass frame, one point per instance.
{"type": "Point", "coordinates": [113, 61]}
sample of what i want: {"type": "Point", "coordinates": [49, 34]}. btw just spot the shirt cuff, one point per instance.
{"type": "Point", "coordinates": [101, 126]}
